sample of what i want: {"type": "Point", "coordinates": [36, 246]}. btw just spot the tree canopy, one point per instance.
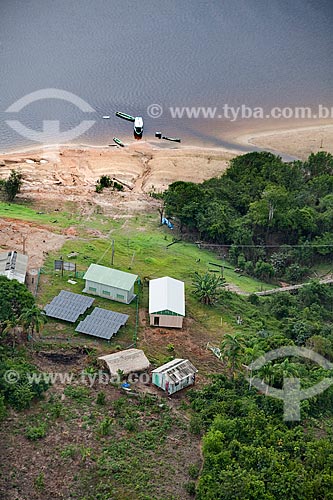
{"type": "Point", "coordinates": [259, 206]}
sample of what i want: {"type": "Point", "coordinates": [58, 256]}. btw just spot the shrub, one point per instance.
{"type": "Point", "coordinates": [40, 482]}
{"type": "Point", "coordinates": [170, 348]}
{"type": "Point", "coordinates": [249, 267]}
{"type": "Point", "coordinates": [104, 428]}
{"type": "Point", "coordinates": [118, 187]}
{"type": "Point", "coordinates": [105, 181]}
{"type": "Point", "coordinates": [193, 471]}
{"type": "Point", "coordinates": [36, 432]}
{"type": "Point", "coordinates": [253, 299]}
{"type": "Point", "coordinates": [69, 452]}
{"type": "Point", "coordinates": [130, 425]}
{"type": "Point", "coordinates": [81, 394]}
{"type": "Point", "coordinates": [190, 488]}
{"type": "Point", "coordinates": [295, 273]}
{"type": "Point", "coordinates": [3, 410]}
{"type": "Point", "coordinates": [100, 398]}
{"type": "Point", "coordinates": [20, 394]}
{"type": "Point", "coordinates": [196, 425]}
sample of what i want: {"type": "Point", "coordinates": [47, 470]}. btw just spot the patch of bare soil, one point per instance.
{"type": "Point", "coordinates": [29, 238]}
{"type": "Point", "coordinates": [188, 342]}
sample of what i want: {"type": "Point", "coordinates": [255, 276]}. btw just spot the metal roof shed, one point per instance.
{"type": "Point", "coordinates": [175, 375]}
{"type": "Point", "coordinates": [110, 283]}
{"type": "Point", "coordinates": [128, 361]}
{"type": "Point", "coordinates": [13, 265]}
{"type": "Point", "coordinates": [166, 302]}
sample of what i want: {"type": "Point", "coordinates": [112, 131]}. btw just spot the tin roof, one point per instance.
{"type": "Point", "coordinates": [177, 369]}
{"type": "Point", "coordinates": [166, 294]}
{"type": "Point", "coordinates": [128, 361]}
{"type": "Point", "coordinates": [111, 277]}
{"type": "Point", "coordinates": [13, 265]}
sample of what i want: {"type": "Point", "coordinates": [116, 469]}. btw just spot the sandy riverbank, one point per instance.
{"type": "Point", "coordinates": [299, 142]}
{"type": "Point", "coordinates": [73, 171]}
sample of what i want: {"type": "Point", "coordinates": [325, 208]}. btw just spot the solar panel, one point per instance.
{"type": "Point", "coordinates": [68, 306]}
{"type": "Point", "coordinates": [102, 323]}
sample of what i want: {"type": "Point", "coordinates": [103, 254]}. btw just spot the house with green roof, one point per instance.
{"type": "Point", "coordinates": [110, 283]}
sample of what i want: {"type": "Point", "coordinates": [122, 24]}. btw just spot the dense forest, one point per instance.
{"type": "Point", "coordinates": [275, 218]}
{"type": "Point", "coordinates": [19, 318]}
{"type": "Point", "coordinates": [250, 452]}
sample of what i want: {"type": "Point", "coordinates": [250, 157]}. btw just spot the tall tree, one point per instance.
{"type": "Point", "coordinates": [232, 350]}
{"type": "Point", "coordinates": [33, 319]}
{"type": "Point", "coordinates": [12, 185]}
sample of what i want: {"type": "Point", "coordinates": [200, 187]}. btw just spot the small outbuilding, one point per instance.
{"type": "Point", "coordinates": [110, 283]}
{"type": "Point", "coordinates": [128, 361]}
{"type": "Point", "coordinates": [166, 302]}
{"type": "Point", "coordinates": [14, 265]}
{"type": "Point", "coordinates": [175, 375]}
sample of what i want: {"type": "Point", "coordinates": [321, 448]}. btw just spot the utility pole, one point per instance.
{"type": "Point", "coordinates": [112, 255]}
{"type": "Point", "coordinates": [24, 239]}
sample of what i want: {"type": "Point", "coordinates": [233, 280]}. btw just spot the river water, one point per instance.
{"type": "Point", "coordinates": [126, 55]}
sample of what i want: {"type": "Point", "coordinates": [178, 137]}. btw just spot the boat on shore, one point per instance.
{"type": "Point", "coordinates": [172, 139]}
{"type": "Point", "coordinates": [118, 142]}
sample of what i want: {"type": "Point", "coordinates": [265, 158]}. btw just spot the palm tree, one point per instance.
{"type": "Point", "coordinates": [252, 353]}
{"type": "Point", "coordinates": [232, 348]}
{"type": "Point", "coordinates": [33, 319]}
{"type": "Point", "coordinates": [286, 369]}
{"type": "Point", "coordinates": [267, 374]}
{"type": "Point", "coordinates": [11, 328]}
{"type": "Point", "coordinates": [207, 288]}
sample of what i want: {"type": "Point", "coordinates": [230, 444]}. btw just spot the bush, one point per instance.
{"type": "Point", "coordinates": [118, 187]}
{"type": "Point", "coordinates": [241, 261]}
{"type": "Point", "coordinates": [296, 273]}
{"type": "Point", "coordinates": [190, 488]}
{"type": "Point", "coordinates": [81, 394]}
{"type": "Point", "coordinates": [130, 425]}
{"type": "Point", "coordinates": [36, 432]}
{"type": "Point", "coordinates": [196, 425]}
{"type": "Point", "coordinates": [104, 428]}
{"type": "Point", "coordinates": [253, 299]}
{"type": "Point", "coordinates": [40, 482]}
{"type": "Point", "coordinates": [20, 394]}
{"type": "Point", "coordinates": [105, 181]}
{"type": "Point", "coordinates": [170, 348]}
{"type": "Point", "coordinates": [249, 267]}
{"type": "Point", "coordinates": [69, 452]}
{"type": "Point", "coordinates": [12, 185]}
{"type": "Point", "coordinates": [3, 410]}
{"type": "Point", "coordinates": [193, 471]}
{"type": "Point", "coordinates": [100, 398]}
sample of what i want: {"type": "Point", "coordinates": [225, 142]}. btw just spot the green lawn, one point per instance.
{"type": "Point", "coordinates": [141, 247]}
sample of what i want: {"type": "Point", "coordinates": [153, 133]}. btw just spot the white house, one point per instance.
{"type": "Point", "coordinates": [166, 302]}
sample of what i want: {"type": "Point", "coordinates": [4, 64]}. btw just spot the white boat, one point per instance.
{"type": "Point", "coordinates": [106, 117]}
{"type": "Point", "coordinates": [138, 127]}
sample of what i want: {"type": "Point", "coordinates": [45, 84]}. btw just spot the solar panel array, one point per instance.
{"type": "Point", "coordinates": [68, 306]}
{"type": "Point", "coordinates": [102, 323]}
